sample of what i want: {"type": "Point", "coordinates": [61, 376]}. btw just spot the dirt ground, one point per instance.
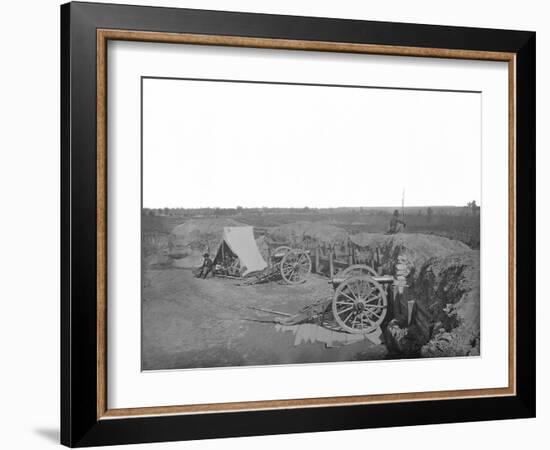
{"type": "Point", "coordinates": [189, 322]}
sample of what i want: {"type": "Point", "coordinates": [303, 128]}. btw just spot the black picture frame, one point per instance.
{"type": "Point", "coordinates": [80, 425]}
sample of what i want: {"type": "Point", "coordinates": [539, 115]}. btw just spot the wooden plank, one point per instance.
{"type": "Point", "coordinates": [279, 313]}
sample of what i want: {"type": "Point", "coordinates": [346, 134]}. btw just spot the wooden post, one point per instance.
{"type": "Point", "coordinates": [377, 259]}
{"type": "Point", "coordinates": [317, 258]}
{"type": "Point", "coordinates": [410, 310]}
{"type": "Point", "coordinates": [400, 305]}
{"type": "Point", "coordinates": [392, 291]}
{"type": "Point", "coordinates": [331, 262]}
{"type": "Point", "coordinates": [350, 253]}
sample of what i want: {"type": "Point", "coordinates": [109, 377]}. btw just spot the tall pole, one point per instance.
{"type": "Point", "coordinates": [403, 205]}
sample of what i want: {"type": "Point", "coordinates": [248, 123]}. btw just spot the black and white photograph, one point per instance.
{"type": "Point", "coordinates": [298, 223]}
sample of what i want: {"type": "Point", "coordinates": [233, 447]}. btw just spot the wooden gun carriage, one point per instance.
{"type": "Point", "coordinates": [358, 304]}
{"type": "Point", "coordinates": [360, 300]}
{"type": "Point", "coordinates": [287, 264]}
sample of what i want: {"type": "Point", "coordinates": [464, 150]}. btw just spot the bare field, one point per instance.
{"type": "Point", "coordinates": [190, 323]}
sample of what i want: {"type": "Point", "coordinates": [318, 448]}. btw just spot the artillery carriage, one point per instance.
{"type": "Point", "coordinates": [286, 264]}
{"type": "Point", "coordinates": [360, 301]}
{"type": "Point", "coordinates": [358, 304]}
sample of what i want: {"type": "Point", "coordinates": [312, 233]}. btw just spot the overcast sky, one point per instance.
{"type": "Point", "coordinates": [221, 144]}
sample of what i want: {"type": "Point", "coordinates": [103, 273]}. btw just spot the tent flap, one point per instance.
{"type": "Point", "coordinates": [242, 243]}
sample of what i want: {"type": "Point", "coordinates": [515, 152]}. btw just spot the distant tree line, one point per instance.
{"type": "Point", "coordinates": [182, 212]}
{"type": "Point", "coordinates": [470, 209]}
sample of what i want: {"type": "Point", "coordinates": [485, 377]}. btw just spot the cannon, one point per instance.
{"type": "Point", "coordinates": [286, 264]}
{"type": "Point", "coordinates": [358, 304]}
{"type": "Point", "coordinates": [293, 264]}
{"type": "Point", "coordinates": [360, 301]}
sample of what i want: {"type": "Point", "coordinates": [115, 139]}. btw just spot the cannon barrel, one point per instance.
{"type": "Point", "coordinates": [382, 279]}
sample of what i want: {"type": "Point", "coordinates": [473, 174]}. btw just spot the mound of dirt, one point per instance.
{"type": "Point", "coordinates": [297, 232]}
{"type": "Point", "coordinates": [189, 240]}
{"type": "Point", "coordinates": [263, 246]}
{"type": "Point", "coordinates": [154, 247]}
{"type": "Point", "coordinates": [413, 248]}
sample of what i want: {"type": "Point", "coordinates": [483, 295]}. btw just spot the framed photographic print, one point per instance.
{"type": "Point", "coordinates": [278, 224]}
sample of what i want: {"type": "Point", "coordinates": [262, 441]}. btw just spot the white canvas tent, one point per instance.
{"type": "Point", "coordinates": [240, 241]}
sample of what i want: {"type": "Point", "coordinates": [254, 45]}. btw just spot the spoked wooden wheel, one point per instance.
{"type": "Point", "coordinates": [357, 270]}
{"type": "Point", "coordinates": [359, 304]}
{"type": "Point", "coordinates": [295, 265]}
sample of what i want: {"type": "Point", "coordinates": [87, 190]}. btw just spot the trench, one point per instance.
{"type": "Point", "coordinates": [445, 319]}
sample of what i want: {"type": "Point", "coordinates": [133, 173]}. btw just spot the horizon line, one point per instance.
{"type": "Point", "coordinates": [309, 207]}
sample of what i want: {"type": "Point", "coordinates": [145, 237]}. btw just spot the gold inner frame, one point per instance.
{"type": "Point", "coordinates": [104, 35]}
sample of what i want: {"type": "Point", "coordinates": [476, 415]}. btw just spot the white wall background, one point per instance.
{"type": "Point", "coordinates": [29, 196]}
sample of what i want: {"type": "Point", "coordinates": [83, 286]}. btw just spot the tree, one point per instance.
{"type": "Point", "coordinates": [472, 206]}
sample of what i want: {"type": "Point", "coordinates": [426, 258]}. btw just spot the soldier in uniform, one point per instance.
{"type": "Point", "coordinates": [396, 224]}
{"type": "Point", "coordinates": [206, 266]}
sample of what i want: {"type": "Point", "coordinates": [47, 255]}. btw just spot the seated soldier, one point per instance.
{"type": "Point", "coordinates": [396, 225]}
{"type": "Point", "coordinates": [206, 266]}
